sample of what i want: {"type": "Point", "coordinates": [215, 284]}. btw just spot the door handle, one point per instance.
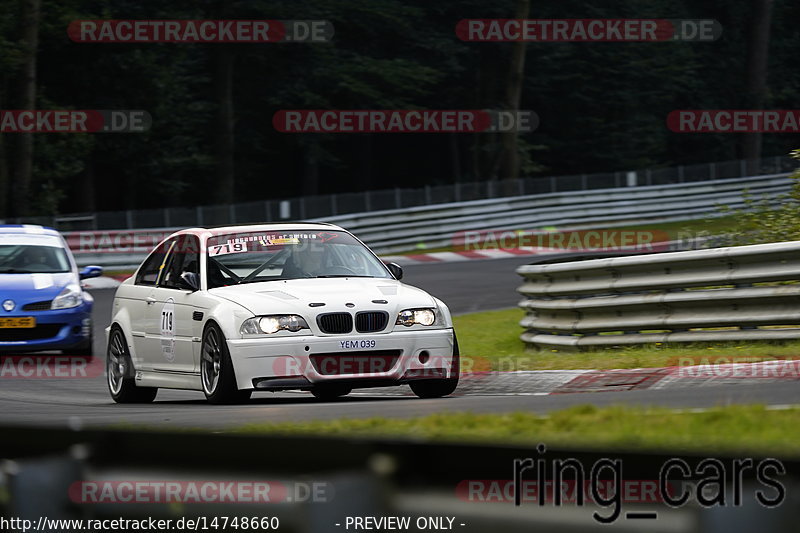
{"type": "Point", "coordinates": [150, 300]}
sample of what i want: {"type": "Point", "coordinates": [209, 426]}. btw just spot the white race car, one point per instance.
{"type": "Point", "coordinates": [274, 307]}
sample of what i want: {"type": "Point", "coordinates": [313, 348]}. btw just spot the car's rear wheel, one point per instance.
{"type": "Point", "coordinates": [436, 388]}
{"type": "Point", "coordinates": [121, 382]}
{"type": "Point", "coordinates": [330, 391]}
{"type": "Point", "coordinates": [216, 370]}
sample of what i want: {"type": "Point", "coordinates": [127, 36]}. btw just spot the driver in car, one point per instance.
{"type": "Point", "coordinates": [305, 261]}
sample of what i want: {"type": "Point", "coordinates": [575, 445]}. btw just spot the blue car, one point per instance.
{"type": "Point", "coordinates": [42, 304]}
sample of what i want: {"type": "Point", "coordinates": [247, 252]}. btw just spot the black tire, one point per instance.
{"type": "Point", "coordinates": [436, 388]}
{"type": "Point", "coordinates": [217, 377]}
{"type": "Point", "coordinates": [330, 391]}
{"type": "Point", "coordinates": [120, 372]}
{"type": "Point", "coordinates": [87, 348]}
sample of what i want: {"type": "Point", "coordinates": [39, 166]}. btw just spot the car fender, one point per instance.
{"type": "Point", "coordinates": [122, 319]}
{"type": "Point", "coordinates": [448, 318]}
{"type": "Point", "coordinates": [228, 316]}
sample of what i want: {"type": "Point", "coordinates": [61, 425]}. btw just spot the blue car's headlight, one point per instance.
{"type": "Point", "coordinates": [71, 296]}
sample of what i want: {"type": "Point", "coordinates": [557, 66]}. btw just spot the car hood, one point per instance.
{"type": "Point", "coordinates": [294, 296]}
{"type": "Point", "coordinates": [38, 287]}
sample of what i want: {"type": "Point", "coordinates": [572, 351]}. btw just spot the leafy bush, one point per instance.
{"type": "Point", "coordinates": [768, 219]}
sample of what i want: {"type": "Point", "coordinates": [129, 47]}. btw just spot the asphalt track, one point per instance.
{"type": "Point", "coordinates": [465, 286]}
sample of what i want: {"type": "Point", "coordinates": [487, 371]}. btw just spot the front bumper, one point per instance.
{"type": "Point", "coordinates": [55, 330]}
{"type": "Point", "coordinates": [299, 362]}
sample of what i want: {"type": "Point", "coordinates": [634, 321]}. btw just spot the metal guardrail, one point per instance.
{"type": "Point", "coordinates": [435, 226]}
{"type": "Point", "coordinates": [400, 230]}
{"type": "Point", "coordinates": [314, 207]}
{"type": "Point", "coordinates": [720, 294]}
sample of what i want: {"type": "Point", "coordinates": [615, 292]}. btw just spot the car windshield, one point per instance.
{"type": "Point", "coordinates": [32, 259]}
{"type": "Point", "coordinates": [282, 255]}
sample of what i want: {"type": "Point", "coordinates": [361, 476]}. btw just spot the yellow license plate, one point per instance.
{"type": "Point", "coordinates": [18, 322]}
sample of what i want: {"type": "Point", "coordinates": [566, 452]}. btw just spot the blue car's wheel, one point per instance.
{"type": "Point", "coordinates": [87, 348]}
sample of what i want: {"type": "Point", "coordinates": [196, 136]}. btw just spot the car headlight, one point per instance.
{"type": "Point", "coordinates": [409, 317]}
{"type": "Point", "coordinates": [267, 325]}
{"type": "Point", "coordinates": [71, 296]}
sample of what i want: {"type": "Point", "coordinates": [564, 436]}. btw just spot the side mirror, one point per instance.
{"type": "Point", "coordinates": [190, 280]}
{"type": "Point", "coordinates": [395, 269]}
{"type": "Point", "coordinates": [90, 272]}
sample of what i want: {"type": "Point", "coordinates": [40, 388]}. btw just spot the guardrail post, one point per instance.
{"type": "Point", "coordinates": [333, 204]}
{"type": "Point", "coordinates": [284, 209]}
{"type": "Point", "coordinates": [742, 168]}
{"type": "Point", "coordinates": [267, 212]}
{"type": "Point", "coordinates": [552, 184]}
{"type": "Point", "coordinates": [631, 176]}
{"type": "Point", "coordinates": [397, 197]}
{"type": "Point", "coordinates": [649, 177]}
{"type": "Point", "coordinates": [166, 217]}
{"type": "Point", "coordinates": [457, 191]}
{"type": "Point", "coordinates": [712, 170]}
{"type": "Point", "coordinates": [129, 218]}
{"type": "Point", "coordinates": [367, 202]}
{"type": "Point", "coordinates": [427, 194]}
{"type": "Point", "coordinates": [584, 182]}
{"type": "Point", "coordinates": [199, 214]}
{"type": "Point", "coordinates": [490, 189]}
{"type": "Point", "coordinates": [232, 213]}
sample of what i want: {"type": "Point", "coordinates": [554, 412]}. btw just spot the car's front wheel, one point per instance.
{"type": "Point", "coordinates": [121, 382]}
{"type": "Point", "coordinates": [216, 370]}
{"type": "Point", "coordinates": [436, 388]}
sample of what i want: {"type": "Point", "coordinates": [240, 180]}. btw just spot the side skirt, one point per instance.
{"type": "Point", "coordinates": [168, 380]}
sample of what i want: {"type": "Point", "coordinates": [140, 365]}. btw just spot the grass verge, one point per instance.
{"type": "Point", "coordinates": [490, 340]}
{"type": "Point", "coordinates": [733, 429]}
